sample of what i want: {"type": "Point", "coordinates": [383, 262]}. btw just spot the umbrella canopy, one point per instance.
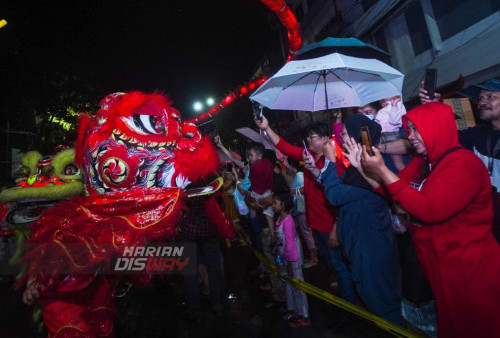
{"type": "Point", "coordinates": [255, 136]}
{"type": "Point", "coordinates": [347, 46]}
{"type": "Point", "coordinates": [327, 82]}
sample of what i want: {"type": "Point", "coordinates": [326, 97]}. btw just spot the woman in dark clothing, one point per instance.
{"type": "Point", "coordinates": [364, 228]}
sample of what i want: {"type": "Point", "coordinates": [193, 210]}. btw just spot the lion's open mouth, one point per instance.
{"type": "Point", "coordinates": [122, 138]}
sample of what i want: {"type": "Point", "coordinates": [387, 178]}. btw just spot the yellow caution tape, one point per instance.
{"type": "Point", "coordinates": [332, 299]}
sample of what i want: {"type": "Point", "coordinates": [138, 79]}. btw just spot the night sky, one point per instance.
{"type": "Point", "coordinates": [186, 48]}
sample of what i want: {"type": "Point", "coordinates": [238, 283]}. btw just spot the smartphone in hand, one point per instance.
{"type": "Point", "coordinates": [430, 82]}
{"type": "Point", "coordinates": [365, 139]}
{"type": "Point", "coordinates": [305, 147]}
{"type": "Point", "coordinates": [310, 159]}
{"type": "Point", "coordinates": [258, 112]}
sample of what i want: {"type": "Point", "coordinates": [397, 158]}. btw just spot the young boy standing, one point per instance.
{"type": "Point", "coordinates": [261, 180]}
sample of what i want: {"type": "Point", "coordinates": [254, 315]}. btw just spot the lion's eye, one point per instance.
{"type": "Point", "coordinates": [71, 169]}
{"type": "Point", "coordinates": [146, 124]}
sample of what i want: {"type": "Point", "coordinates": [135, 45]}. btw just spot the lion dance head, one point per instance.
{"type": "Point", "coordinates": [136, 157]}
{"type": "Point", "coordinates": [138, 140]}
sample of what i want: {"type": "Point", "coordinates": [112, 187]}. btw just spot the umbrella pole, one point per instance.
{"type": "Point", "coordinates": [323, 73]}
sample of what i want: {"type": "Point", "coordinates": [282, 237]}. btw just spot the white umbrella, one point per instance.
{"type": "Point", "coordinates": [330, 81]}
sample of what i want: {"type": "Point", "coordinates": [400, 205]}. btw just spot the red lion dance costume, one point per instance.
{"type": "Point", "coordinates": [137, 157]}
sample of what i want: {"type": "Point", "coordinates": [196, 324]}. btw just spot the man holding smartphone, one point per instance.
{"type": "Point", "coordinates": [321, 216]}
{"type": "Point", "coordinates": [483, 139]}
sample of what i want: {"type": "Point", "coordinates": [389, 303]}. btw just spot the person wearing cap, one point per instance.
{"type": "Point", "coordinates": [483, 139]}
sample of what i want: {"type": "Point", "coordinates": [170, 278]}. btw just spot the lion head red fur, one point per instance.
{"type": "Point", "coordinates": [138, 140]}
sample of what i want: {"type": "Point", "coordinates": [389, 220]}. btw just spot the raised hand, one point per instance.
{"type": "Point", "coordinates": [375, 169]}
{"type": "Point", "coordinates": [372, 165]}
{"type": "Point", "coordinates": [329, 150]}
{"type": "Point", "coordinates": [309, 163]}
{"type": "Point", "coordinates": [235, 173]}
{"type": "Point", "coordinates": [262, 124]}
{"type": "Point", "coordinates": [353, 152]}
{"type": "Point", "coordinates": [424, 98]}
{"type": "Point", "coordinates": [217, 141]}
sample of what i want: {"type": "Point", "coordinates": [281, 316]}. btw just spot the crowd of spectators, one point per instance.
{"type": "Point", "coordinates": [410, 232]}
{"type": "Point", "coordinates": [348, 207]}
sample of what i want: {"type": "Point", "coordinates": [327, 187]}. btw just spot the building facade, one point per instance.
{"type": "Point", "coordinates": [458, 37]}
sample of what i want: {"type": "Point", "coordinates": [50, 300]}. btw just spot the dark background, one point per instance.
{"type": "Point", "coordinates": [56, 53]}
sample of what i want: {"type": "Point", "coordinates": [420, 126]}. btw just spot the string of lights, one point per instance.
{"type": "Point", "coordinates": [226, 101]}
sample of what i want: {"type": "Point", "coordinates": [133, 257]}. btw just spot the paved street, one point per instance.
{"type": "Point", "coordinates": [159, 311]}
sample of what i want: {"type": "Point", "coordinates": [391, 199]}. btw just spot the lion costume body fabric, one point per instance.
{"type": "Point", "coordinates": [137, 158]}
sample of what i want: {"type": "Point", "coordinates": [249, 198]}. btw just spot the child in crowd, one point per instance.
{"type": "Point", "coordinates": [299, 211]}
{"type": "Point", "coordinates": [288, 247]}
{"type": "Point", "coordinates": [389, 118]}
{"type": "Point", "coordinates": [261, 189]}
{"type": "Point", "coordinates": [228, 203]}
{"type": "Point", "coordinates": [261, 179]}
{"type": "Point", "coordinates": [370, 110]}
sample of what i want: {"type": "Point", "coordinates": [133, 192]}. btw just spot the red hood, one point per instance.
{"type": "Point", "coordinates": [436, 124]}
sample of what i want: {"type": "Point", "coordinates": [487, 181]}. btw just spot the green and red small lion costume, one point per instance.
{"type": "Point", "coordinates": [137, 157]}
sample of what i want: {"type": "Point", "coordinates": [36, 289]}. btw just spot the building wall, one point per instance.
{"type": "Point", "coordinates": [470, 52]}
{"type": "Point", "coordinates": [414, 34]}
{"type": "Point", "coordinates": [409, 30]}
